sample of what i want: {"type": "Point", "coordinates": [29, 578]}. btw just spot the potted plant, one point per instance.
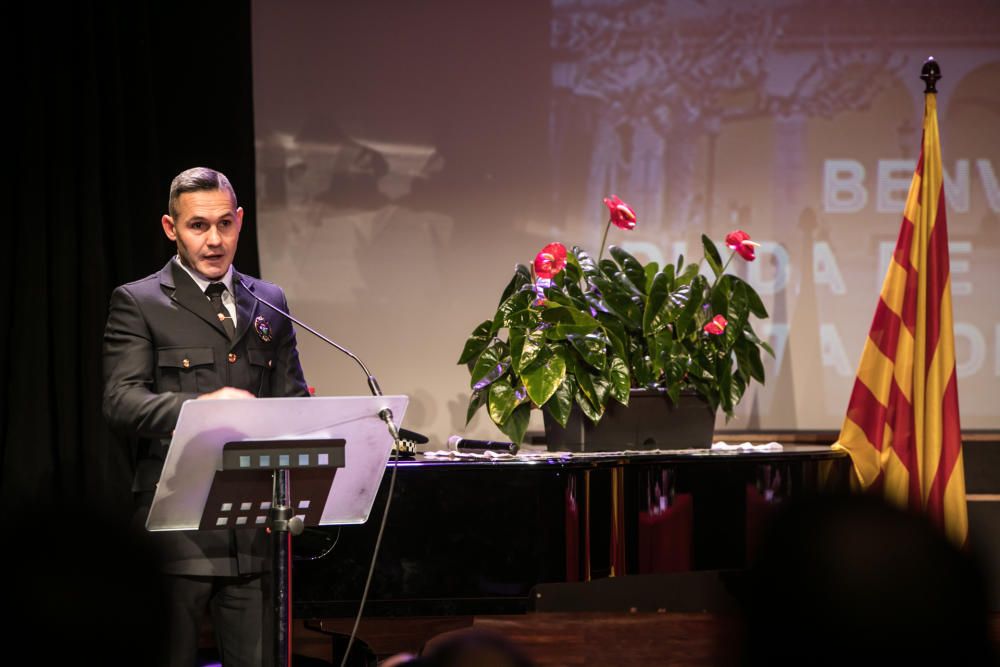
{"type": "Point", "coordinates": [572, 330]}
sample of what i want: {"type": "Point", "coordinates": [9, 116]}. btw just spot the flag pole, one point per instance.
{"type": "Point", "coordinates": [902, 427]}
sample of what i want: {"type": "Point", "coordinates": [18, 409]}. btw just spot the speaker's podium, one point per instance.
{"type": "Point", "coordinates": [276, 463]}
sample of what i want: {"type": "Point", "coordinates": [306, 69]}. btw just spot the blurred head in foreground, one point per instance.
{"type": "Point", "coordinates": [849, 579]}
{"type": "Point", "coordinates": [471, 648]}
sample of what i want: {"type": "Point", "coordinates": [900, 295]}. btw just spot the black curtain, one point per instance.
{"type": "Point", "coordinates": [107, 101]}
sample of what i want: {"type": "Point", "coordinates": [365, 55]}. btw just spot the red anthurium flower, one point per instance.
{"type": "Point", "coordinates": [741, 243]}
{"type": "Point", "coordinates": [621, 213]}
{"type": "Point", "coordinates": [550, 260]}
{"type": "Point", "coordinates": [717, 326]}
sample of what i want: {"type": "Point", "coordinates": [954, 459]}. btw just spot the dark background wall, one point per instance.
{"type": "Point", "coordinates": [107, 102]}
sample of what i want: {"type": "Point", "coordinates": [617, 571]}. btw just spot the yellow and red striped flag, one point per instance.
{"type": "Point", "coordinates": [902, 427]}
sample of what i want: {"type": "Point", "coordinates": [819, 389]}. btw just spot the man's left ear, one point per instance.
{"type": "Point", "coordinates": [239, 217]}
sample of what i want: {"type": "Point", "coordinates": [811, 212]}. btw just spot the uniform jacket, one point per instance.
{"type": "Point", "coordinates": [163, 345]}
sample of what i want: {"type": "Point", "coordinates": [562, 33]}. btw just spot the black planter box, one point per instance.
{"type": "Point", "coordinates": [650, 421]}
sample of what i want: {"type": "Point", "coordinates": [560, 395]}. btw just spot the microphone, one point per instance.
{"type": "Point", "coordinates": [458, 442]}
{"type": "Point", "coordinates": [385, 414]}
{"type": "Point", "coordinates": [372, 382]}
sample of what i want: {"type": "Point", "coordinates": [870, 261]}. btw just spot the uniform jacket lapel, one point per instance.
{"type": "Point", "coordinates": [246, 305]}
{"type": "Point", "coordinates": [184, 291]}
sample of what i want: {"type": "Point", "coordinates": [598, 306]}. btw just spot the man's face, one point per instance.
{"type": "Point", "coordinates": [206, 230]}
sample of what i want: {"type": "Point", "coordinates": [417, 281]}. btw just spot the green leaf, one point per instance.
{"type": "Point", "coordinates": [585, 262]}
{"type": "Point", "coordinates": [657, 294]}
{"type": "Point", "coordinates": [565, 315]}
{"type": "Point", "coordinates": [476, 343]}
{"type": "Point", "coordinates": [621, 379]}
{"type": "Point", "coordinates": [526, 318]}
{"type": "Point", "coordinates": [720, 303]}
{"type": "Point", "coordinates": [676, 368]}
{"type": "Point", "coordinates": [476, 401]}
{"type": "Point", "coordinates": [724, 380]}
{"type": "Point", "coordinates": [594, 406]}
{"type": "Point", "coordinates": [502, 401]}
{"type": "Point", "coordinates": [607, 267]}
{"type": "Point", "coordinates": [628, 287]}
{"type": "Point", "coordinates": [668, 271]}
{"type": "Point", "coordinates": [751, 335]}
{"type": "Point", "coordinates": [561, 403]}
{"type": "Point", "coordinates": [737, 389]}
{"type": "Point", "coordinates": [603, 388]}
{"type": "Point", "coordinates": [592, 412]}
{"type": "Point", "coordinates": [516, 425]}
{"type": "Point", "coordinates": [661, 345]}
{"type": "Point", "coordinates": [641, 366]}
{"type": "Point", "coordinates": [748, 359]}
{"type": "Point", "coordinates": [543, 378]}
{"type": "Point", "coordinates": [670, 306]}
{"type": "Point", "coordinates": [568, 321]}
{"type": "Point", "coordinates": [651, 270]}
{"type": "Point", "coordinates": [620, 303]}
{"type": "Point", "coordinates": [557, 295]}
{"type": "Point", "coordinates": [630, 266]}
{"type": "Point", "coordinates": [574, 293]}
{"type": "Point", "coordinates": [685, 323]}
{"type": "Point", "coordinates": [593, 348]}
{"type": "Point", "coordinates": [516, 341]}
{"type": "Point", "coordinates": [701, 367]}
{"type": "Point", "coordinates": [584, 378]}
{"type": "Point", "coordinates": [522, 277]}
{"type": "Point", "coordinates": [753, 299]}
{"type": "Point", "coordinates": [570, 274]}
{"type": "Point", "coordinates": [712, 255]}
{"type": "Point", "coordinates": [615, 332]}
{"type": "Point", "coordinates": [686, 276]}
{"type": "Point", "coordinates": [739, 310]}
{"type": "Point", "coordinates": [517, 301]}
{"type": "Point", "coordinates": [525, 348]}
{"type": "Point", "coordinates": [490, 366]}
{"type": "Point", "coordinates": [729, 386]}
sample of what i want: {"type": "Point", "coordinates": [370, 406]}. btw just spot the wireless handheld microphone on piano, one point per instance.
{"type": "Point", "coordinates": [458, 442]}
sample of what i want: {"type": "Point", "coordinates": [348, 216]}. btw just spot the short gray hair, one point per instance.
{"type": "Point", "coordinates": [197, 179]}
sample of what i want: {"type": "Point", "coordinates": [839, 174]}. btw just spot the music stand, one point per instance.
{"type": "Point", "coordinates": [233, 463]}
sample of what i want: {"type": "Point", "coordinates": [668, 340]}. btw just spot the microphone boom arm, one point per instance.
{"type": "Point", "coordinates": [384, 413]}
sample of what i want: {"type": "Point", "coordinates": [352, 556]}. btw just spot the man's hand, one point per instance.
{"type": "Point", "coordinates": [226, 393]}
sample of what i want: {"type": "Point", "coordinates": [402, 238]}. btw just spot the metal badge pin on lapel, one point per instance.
{"type": "Point", "coordinates": [263, 328]}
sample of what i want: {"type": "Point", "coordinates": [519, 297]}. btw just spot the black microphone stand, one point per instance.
{"type": "Point", "coordinates": [283, 525]}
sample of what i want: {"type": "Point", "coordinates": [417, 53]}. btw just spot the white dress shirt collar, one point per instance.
{"type": "Point", "coordinates": [204, 282]}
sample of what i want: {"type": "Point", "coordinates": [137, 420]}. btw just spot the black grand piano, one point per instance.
{"type": "Point", "coordinates": [475, 537]}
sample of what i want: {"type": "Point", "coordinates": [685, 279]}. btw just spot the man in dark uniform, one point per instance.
{"type": "Point", "coordinates": [192, 331]}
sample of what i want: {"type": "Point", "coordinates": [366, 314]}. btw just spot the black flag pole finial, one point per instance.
{"type": "Point", "coordinates": [930, 73]}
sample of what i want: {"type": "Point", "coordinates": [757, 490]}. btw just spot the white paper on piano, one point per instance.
{"type": "Point", "coordinates": [723, 446]}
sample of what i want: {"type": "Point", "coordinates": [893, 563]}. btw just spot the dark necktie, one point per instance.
{"type": "Point", "coordinates": [214, 292]}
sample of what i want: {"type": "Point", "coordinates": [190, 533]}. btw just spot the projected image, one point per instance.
{"type": "Point", "coordinates": [404, 167]}
{"type": "Point", "coordinates": [781, 119]}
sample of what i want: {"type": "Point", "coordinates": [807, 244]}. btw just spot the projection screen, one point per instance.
{"type": "Point", "coordinates": [409, 154]}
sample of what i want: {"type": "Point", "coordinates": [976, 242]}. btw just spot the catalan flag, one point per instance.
{"type": "Point", "coordinates": [902, 427]}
